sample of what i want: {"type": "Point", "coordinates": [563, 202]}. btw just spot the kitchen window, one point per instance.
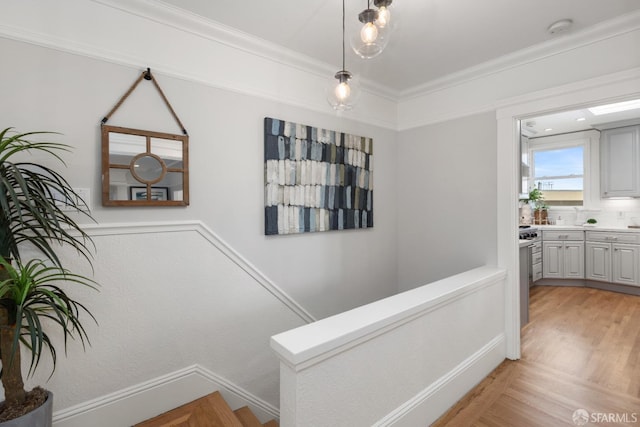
{"type": "Point", "coordinates": [563, 168]}
{"type": "Point", "coordinates": [559, 173]}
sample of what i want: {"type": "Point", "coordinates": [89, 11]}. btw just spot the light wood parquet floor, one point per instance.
{"type": "Point", "coordinates": [581, 350]}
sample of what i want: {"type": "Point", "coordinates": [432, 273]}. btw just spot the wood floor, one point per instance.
{"type": "Point", "coordinates": [581, 350]}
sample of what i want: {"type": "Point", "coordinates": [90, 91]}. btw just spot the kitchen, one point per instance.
{"type": "Point", "coordinates": [579, 209]}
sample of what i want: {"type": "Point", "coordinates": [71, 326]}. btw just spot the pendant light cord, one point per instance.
{"type": "Point", "coordinates": [343, 69]}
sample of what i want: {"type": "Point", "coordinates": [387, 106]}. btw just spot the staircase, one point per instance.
{"type": "Point", "coordinates": [208, 411]}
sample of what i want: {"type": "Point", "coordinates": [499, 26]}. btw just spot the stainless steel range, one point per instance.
{"type": "Point", "coordinates": [528, 232]}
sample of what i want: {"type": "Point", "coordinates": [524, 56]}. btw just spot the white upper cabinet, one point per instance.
{"type": "Point", "coordinates": [619, 162]}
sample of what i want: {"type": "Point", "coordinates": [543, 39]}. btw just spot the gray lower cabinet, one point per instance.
{"type": "Point", "coordinates": [613, 257]}
{"type": "Point", "coordinates": [598, 261]}
{"type": "Point", "coordinates": [563, 254]}
{"type": "Point", "coordinates": [563, 260]}
{"type": "Point", "coordinates": [536, 261]}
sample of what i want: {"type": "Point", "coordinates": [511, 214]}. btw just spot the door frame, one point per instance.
{"type": "Point", "coordinates": [614, 87]}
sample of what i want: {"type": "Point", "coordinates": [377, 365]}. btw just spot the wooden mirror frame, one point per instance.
{"type": "Point", "coordinates": [145, 185]}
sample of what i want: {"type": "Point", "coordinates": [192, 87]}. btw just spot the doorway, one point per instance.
{"type": "Point", "coordinates": [612, 88]}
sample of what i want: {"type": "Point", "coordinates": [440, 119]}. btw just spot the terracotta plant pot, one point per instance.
{"type": "Point", "coordinates": [40, 417]}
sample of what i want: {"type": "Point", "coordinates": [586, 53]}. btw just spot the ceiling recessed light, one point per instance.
{"type": "Point", "coordinates": [580, 119]}
{"type": "Point", "coordinates": [615, 108]}
{"type": "Point", "coordinates": [548, 129]}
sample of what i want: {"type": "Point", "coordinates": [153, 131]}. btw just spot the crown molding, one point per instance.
{"type": "Point", "coordinates": [602, 31]}
{"type": "Point", "coordinates": [248, 65]}
{"type": "Point", "coordinates": [381, 106]}
{"type": "Point", "coordinates": [626, 79]}
{"type": "Point", "coordinates": [167, 14]}
{"type": "Point", "coordinates": [183, 20]}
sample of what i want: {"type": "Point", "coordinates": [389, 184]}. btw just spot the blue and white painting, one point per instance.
{"type": "Point", "coordinates": [316, 179]}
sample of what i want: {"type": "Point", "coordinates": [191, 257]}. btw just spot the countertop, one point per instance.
{"type": "Point", "coordinates": [588, 228]}
{"type": "Point", "coordinates": [525, 243]}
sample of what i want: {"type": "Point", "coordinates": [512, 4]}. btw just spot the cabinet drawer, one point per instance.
{"type": "Point", "coordinates": [536, 258]}
{"type": "Point", "coordinates": [536, 272]}
{"type": "Point", "coordinates": [536, 247]}
{"type": "Point", "coordinates": [562, 235]}
{"type": "Point", "coordinates": [613, 237]}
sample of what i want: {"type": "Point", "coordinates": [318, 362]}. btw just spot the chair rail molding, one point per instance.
{"type": "Point", "coordinates": [113, 229]}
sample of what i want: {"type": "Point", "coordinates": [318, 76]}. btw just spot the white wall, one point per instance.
{"type": "Point", "coordinates": [326, 273]}
{"type": "Point", "coordinates": [161, 309]}
{"type": "Point", "coordinates": [446, 190]}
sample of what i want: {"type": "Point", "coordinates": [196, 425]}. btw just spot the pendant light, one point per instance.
{"type": "Point", "coordinates": [384, 15]}
{"type": "Point", "coordinates": [372, 38]}
{"type": "Point", "coordinates": [343, 90]}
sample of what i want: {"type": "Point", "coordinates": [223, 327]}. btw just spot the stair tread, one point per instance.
{"type": "Point", "coordinates": [272, 423]}
{"type": "Point", "coordinates": [208, 411]}
{"type": "Point", "coordinates": [223, 410]}
{"type": "Point", "coordinates": [247, 417]}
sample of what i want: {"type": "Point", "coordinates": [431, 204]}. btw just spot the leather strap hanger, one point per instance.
{"type": "Point", "coordinates": [147, 76]}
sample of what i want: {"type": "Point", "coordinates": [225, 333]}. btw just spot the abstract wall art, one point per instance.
{"type": "Point", "coordinates": [316, 179]}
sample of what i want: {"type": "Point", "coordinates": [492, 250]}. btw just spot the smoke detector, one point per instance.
{"type": "Point", "coordinates": [560, 27]}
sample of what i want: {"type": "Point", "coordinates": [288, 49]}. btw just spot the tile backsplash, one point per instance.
{"type": "Point", "coordinates": [610, 218]}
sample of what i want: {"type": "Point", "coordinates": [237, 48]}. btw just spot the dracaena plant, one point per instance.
{"type": "Point", "coordinates": [32, 293]}
{"type": "Point", "coordinates": [35, 207]}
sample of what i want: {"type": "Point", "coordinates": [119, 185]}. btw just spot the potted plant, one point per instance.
{"type": "Point", "coordinates": [539, 206]}
{"type": "Point", "coordinates": [35, 203]}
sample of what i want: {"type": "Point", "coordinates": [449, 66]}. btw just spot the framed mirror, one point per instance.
{"type": "Point", "coordinates": [144, 168]}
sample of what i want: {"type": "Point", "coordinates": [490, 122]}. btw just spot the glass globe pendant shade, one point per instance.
{"type": "Point", "coordinates": [371, 40]}
{"type": "Point", "coordinates": [384, 15]}
{"type": "Point", "coordinates": [343, 91]}
{"type": "Point", "coordinates": [369, 33]}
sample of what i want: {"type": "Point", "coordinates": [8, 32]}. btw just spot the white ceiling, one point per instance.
{"type": "Point", "coordinates": [567, 121]}
{"type": "Point", "coordinates": [431, 38]}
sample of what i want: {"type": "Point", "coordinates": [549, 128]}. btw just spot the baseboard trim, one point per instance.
{"type": "Point", "coordinates": [584, 283]}
{"type": "Point", "coordinates": [432, 402]}
{"type": "Point", "coordinates": [145, 400]}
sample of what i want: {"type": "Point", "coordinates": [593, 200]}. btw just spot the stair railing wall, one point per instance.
{"type": "Point", "coordinates": [400, 361]}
